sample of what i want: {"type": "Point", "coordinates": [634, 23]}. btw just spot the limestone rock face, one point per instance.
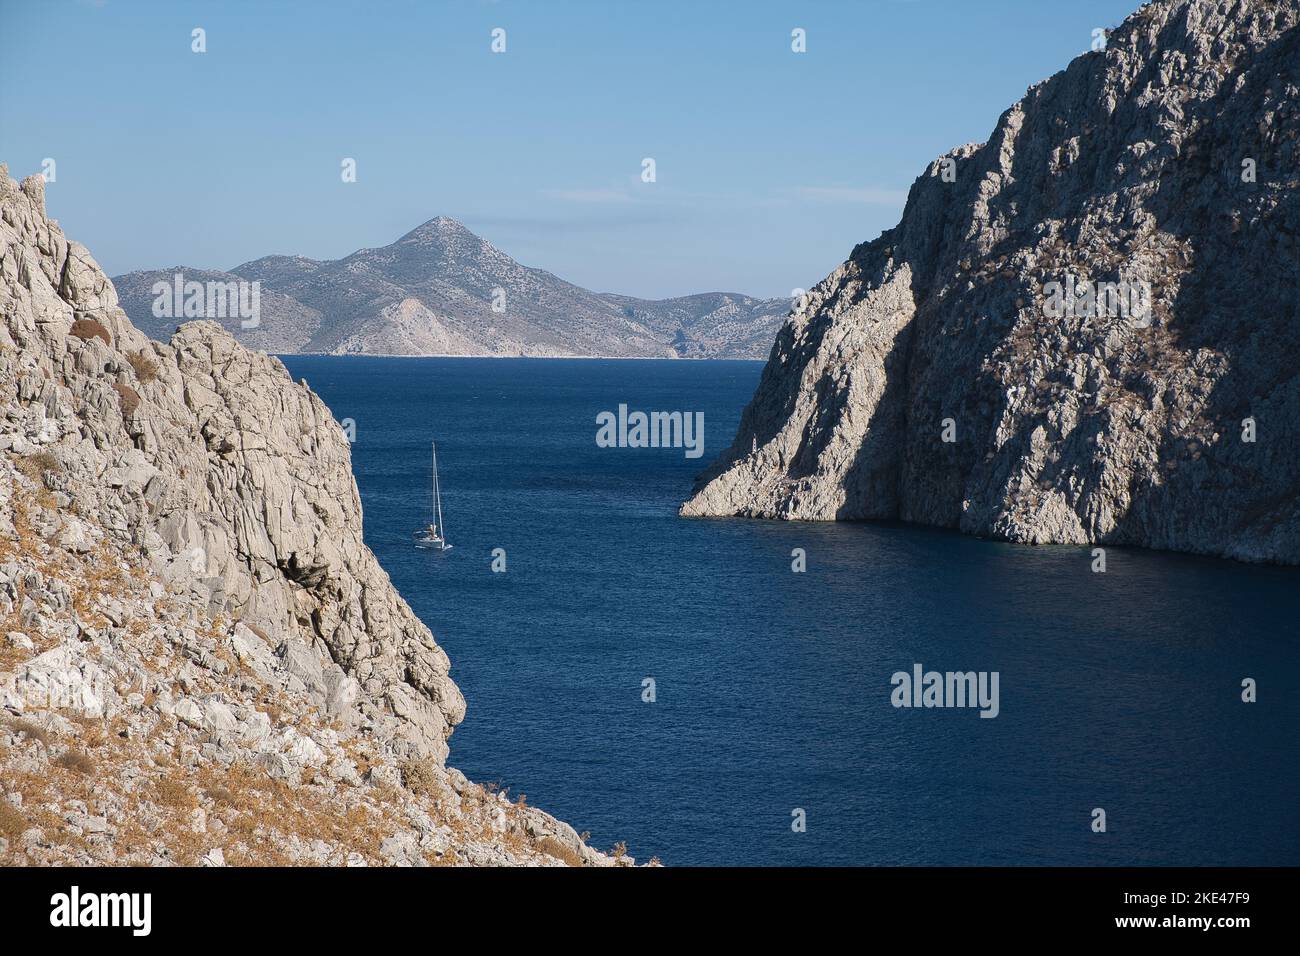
{"type": "Point", "coordinates": [229, 480]}
{"type": "Point", "coordinates": [1170, 160]}
{"type": "Point", "coordinates": [200, 660]}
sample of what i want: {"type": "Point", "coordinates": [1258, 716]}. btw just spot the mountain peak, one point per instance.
{"type": "Point", "coordinates": [367, 301]}
{"type": "Point", "coordinates": [442, 227]}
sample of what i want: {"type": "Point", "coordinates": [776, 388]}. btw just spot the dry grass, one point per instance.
{"type": "Point", "coordinates": [219, 794]}
{"type": "Point", "coordinates": [34, 786]}
{"type": "Point", "coordinates": [37, 464]}
{"type": "Point", "coordinates": [418, 777]}
{"type": "Point", "coordinates": [73, 759]}
{"type": "Point", "coordinates": [32, 731]}
{"type": "Point", "coordinates": [260, 812]}
{"type": "Point", "coordinates": [12, 656]}
{"type": "Point", "coordinates": [252, 817]}
{"type": "Point", "coordinates": [91, 329]}
{"type": "Point", "coordinates": [175, 793]}
{"type": "Point", "coordinates": [358, 756]}
{"type": "Point", "coordinates": [102, 575]}
{"type": "Point", "coordinates": [12, 821]}
{"type": "Point", "coordinates": [93, 731]}
{"type": "Point", "coordinates": [146, 369]}
{"type": "Point", "coordinates": [561, 851]}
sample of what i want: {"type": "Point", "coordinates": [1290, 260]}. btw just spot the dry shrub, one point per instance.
{"type": "Point", "coordinates": [146, 369]}
{"type": "Point", "coordinates": [561, 851]}
{"type": "Point", "coordinates": [35, 465]}
{"type": "Point", "coordinates": [91, 329]}
{"type": "Point", "coordinates": [219, 794]}
{"type": "Point", "coordinates": [174, 793]}
{"type": "Point", "coordinates": [418, 776]}
{"type": "Point", "coordinates": [93, 732]}
{"type": "Point", "coordinates": [12, 822]}
{"type": "Point", "coordinates": [32, 731]}
{"type": "Point", "coordinates": [129, 398]}
{"type": "Point", "coordinates": [77, 761]}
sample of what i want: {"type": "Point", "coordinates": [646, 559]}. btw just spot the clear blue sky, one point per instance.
{"type": "Point", "coordinates": [771, 165]}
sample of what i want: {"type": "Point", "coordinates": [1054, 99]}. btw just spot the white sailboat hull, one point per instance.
{"type": "Point", "coordinates": [431, 538]}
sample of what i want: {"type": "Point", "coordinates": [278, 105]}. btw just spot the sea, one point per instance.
{"type": "Point", "coordinates": [676, 685]}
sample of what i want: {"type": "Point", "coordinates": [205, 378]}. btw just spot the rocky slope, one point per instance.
{"type": "Point", "coordinates": [441, 290]}
{"type": "Point", "coordinates": [1171, 158]}
{"type": "Point", "coordinates": [711, 324]}
{"type": "Point", "coordinates": [200, 658]}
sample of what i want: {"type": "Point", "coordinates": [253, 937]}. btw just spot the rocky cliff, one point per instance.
{"type": "Point", "coordinates": [441, 290]}
{"type": "Point", "coordinates": [976, 367]}
{"type": "Point", "coordinates": [200, 658]}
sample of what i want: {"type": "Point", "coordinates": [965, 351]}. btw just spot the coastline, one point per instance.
{"type": "Point", "coordinates": [612, 358]}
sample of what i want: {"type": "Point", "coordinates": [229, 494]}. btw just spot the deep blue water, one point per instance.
{"type": "Point", "coordinates": [1118, 690]}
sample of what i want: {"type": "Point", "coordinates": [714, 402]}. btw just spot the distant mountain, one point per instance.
{"type": "Point", "coordinates": [441, 290]}
{"type": "Point", "coordinates": [286, 324]}
{"type": "Point", "coordinates": [710, 324]}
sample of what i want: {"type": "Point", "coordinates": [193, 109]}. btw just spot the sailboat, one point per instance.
{"type": "Point", "coordinates": [434, 535]}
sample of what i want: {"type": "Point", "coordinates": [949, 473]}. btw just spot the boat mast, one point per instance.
{"type": "Point", "coordinates": [437, 496]}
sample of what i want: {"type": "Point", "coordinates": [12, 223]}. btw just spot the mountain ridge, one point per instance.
{"type": "Point", "coordinates": [440, 289]}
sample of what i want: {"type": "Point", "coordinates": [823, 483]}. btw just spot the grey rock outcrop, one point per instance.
{"type": "Point", "coordinates": [216, 465]}
{"type": "Point", "coordinates": [1170, 159]}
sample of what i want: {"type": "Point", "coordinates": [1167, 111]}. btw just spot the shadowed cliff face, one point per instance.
{"type": "Point", "coordinates": [1131, 166]}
